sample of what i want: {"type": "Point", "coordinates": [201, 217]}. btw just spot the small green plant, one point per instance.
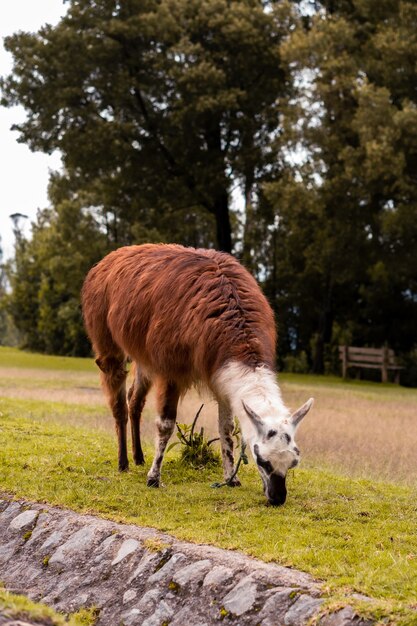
{"type": "Point", "coordinates": [155, 545]}
{"type": "Point", "coordinates": [45, 560]}
{"type": "Point", "coordinates": [196, 451]}
{"type": "Point", "coordinates": [27, 535]}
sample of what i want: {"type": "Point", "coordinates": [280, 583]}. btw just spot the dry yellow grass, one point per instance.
{"type": "Point", "coordinates": [368, 430]}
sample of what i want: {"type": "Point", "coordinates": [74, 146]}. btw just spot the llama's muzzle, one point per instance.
{"type": "Point", "coordinates": [276, 491]}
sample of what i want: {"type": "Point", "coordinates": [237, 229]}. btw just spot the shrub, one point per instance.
{"type": "Point", "coordinates": [197, 450]}
{"type": "Point", "coordinates": [296, 363]}
{"type": "Point", "coordinates": [408, 376]}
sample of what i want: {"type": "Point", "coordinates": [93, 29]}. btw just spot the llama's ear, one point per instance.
{"type": "Point", "coordinates": [300, 413]}
{"type": "Point", "coordinates": [254, 418]}
{"type": "Point", "coordinates": [100, 363]}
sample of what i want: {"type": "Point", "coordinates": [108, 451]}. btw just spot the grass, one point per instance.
{"type": "Point", "coordinates": [356, 428]}
{"type": "Point", "coordinates": [352, 534]}
{"type": "Point", "coordinates": [19, 607]}
{"type": "Point", "coordinates": [12, 357]}
{"type": "Point", "coordinates": [350, 518]}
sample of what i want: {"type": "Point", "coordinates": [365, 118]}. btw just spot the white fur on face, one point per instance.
{"type": "Point", "coordinates": [279, 449]}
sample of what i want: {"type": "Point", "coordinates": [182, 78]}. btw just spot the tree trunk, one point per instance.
{"type": "Point", "coordinates": [218, 190]}
{"type": "Point", "coordinates": [223, 227]}
{"type": "Point", "coordinates": [324, 333]}
{"type": "Point", "coordinates": [247, 238]}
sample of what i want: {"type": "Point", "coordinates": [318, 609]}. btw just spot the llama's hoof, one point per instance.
{"type": "Point", "coordinates": [152, 482]}
{"type": "Point", "coordinates": [235, 482]}
{"type": "Point", "coordinates": [124, 467]}
{"type": "Point", "coordinates": [139, 460]}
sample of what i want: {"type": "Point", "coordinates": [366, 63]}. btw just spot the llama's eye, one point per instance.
{"type": "Point", "coordinates": [271, 433]}
{"type": "Point", "coordinates": [287, 437]}
{"type": "Point", "coordinates": [266, 465]}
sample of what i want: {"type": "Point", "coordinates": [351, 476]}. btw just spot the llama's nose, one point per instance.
{"type": "Point", "coordinates": [278, 500]}
{"type": "Point", "coordinates": [276, 490]}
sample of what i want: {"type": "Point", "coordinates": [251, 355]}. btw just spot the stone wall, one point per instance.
{"type": "Point", "coordinates": [141, 577]}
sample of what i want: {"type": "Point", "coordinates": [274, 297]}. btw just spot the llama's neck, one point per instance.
{"type": "Point", "coordinates": [258, 388]}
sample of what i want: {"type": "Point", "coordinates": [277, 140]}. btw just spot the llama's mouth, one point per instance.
{"type": "Point", "coordinates": [275, 490]}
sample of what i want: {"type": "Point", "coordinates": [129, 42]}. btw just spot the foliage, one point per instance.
{"type": "Point", "coordinates": [297, 364]}
{"type": "Point", "coordinates": [46, 277]}
{"type": "Point", "coordinates": [409, 374]}
{"type": "Point", "coordinates": [367, 533]}
{"type": "Point", "coordinates": [342, 251]}
{"type": "Point", "coordinates": [155, 106]}
{"type": "Point", "coordinates": [8, 333]}
{"type": "Point", "coordinates": [196, 451]}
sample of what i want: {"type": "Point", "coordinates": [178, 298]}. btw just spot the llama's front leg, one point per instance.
{"type": "Point", "coordinates": [167, 402]}
{"type": "Point", "coordinates": [226, 442]}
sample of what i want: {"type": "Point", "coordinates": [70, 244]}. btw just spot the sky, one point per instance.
{"type": "Point", "coordinates": [24, 174]}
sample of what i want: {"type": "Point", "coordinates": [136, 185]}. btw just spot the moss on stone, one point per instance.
{"type": "Point", "coordinates": [223, 613]}
{"type": "Point", "coordinates": [173, 586]}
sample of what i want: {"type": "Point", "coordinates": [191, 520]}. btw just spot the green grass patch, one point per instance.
{"type": "Point", "coordinates": [353, 534]}
{"type": "Point", "coordinates": [49, 411]}
{"type": "Point", "coordinates": [12, 357]}
{"type": "Point", "coordinates": [19, 607]}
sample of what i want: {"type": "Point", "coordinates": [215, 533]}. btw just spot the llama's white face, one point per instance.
{"type": "Point", "coordinates": [275, 451]}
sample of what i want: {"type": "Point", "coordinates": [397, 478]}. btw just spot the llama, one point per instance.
{"type": "Point", "coordinates": [187, 317]}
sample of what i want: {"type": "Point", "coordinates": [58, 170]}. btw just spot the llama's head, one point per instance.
{"type": "Point", "coordinates": [274, 449]}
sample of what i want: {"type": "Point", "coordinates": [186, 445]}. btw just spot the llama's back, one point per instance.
{"type": "Point", "coordinates": [179, 312]}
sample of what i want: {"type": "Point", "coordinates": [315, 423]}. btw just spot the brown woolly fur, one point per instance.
{"type": "Point", "coordinates": [180, 314]}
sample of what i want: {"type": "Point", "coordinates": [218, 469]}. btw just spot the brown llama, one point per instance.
{"type": "Point", "coordinates": [184, 317]}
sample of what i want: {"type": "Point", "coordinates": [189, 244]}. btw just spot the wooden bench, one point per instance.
{"type": "Point", "coordinates": [370, 358]}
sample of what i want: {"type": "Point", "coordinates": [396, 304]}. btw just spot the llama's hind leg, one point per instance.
{"type": "Point", "coordinates": [113, 378]}
{"type": "Point", "coordinates": [136, 401]}
{"type": "Point", "coordinates": [226, 442]}
{"type": "Point", "coordinates": [168, 396]}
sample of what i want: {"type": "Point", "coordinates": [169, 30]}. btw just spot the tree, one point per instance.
{"type": "Point", "coordinates": [156, 106]}
{"type": "Point", "coordinates": [8, 335]}
{"type": "Point", "coordinates": [46, 277]}
{"type": "Point", "coordinates": [346, 214]}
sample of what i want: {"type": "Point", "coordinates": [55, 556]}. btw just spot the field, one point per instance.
{"type": "Point", "coordinates": [350, 518]}
{"type": "Point", "coordinates": [361, 429]}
